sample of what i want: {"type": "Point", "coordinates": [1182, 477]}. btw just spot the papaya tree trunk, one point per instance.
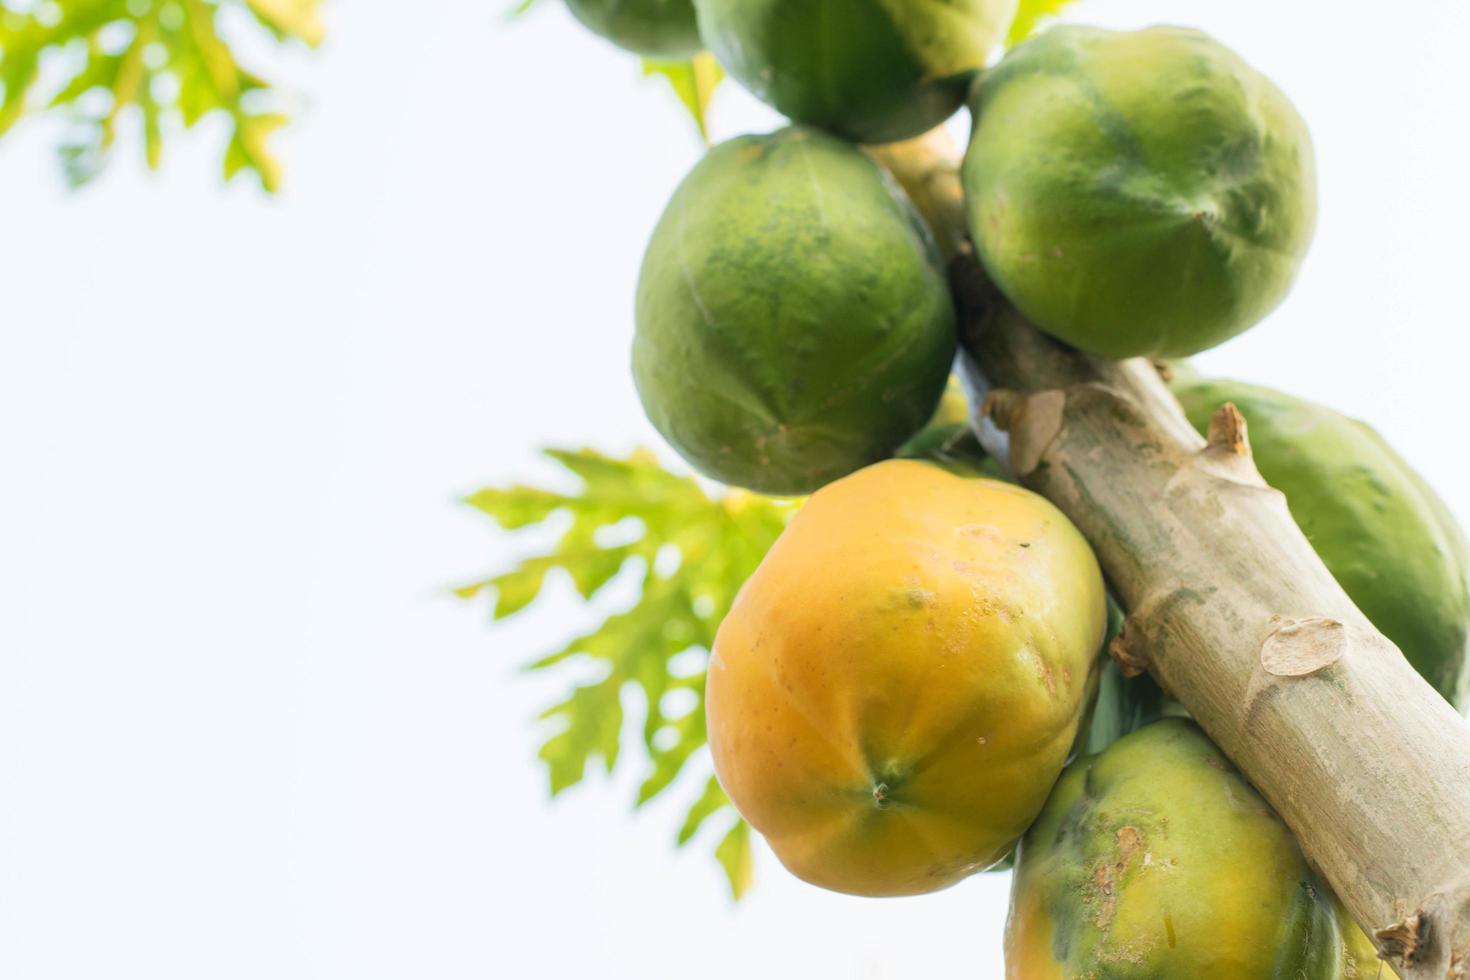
{"type": "Point", "coordinates": [1229, 607]}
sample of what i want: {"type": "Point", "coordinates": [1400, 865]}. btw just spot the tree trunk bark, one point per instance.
{"type": "Point", "coordinates": [1230, 608]}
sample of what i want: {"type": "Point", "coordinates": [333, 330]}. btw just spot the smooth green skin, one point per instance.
{"type": "Point", "coordinates": [1143, 193]}
{"type": "Point", "coordinates": [1156, 859]}
{"type": "Point", "coordinates": [873, 71]}
{"type": "Point", "coordinates": [1387, 538]}
{"type": "Point", "coordinates": [793, 321]}
{"type": "Point", "coordinates": [664, 29]}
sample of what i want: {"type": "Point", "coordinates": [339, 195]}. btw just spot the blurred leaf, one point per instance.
{"type": "Point", "coordinates": [693, 81]}
{"type": "Point", "coordinates": [1029, 16]}
{"type": "Point", "coordinates": [516, 507]}
{"type": "Point", "coordinates": [290, 18]}
{"type": "Point", "coordinates": [689, 551]}
{"type": "Point", "coordinates": [160, 60]}
{"type": "Point", "coordinates": [733, 853]}
{"type": "Point", "coordinates": [592, 720]}
{"type": "Point", "coordinates": [709, 803]}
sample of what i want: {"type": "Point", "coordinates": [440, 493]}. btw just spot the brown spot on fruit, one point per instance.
{"type": "Point", "coordinates": [1047, 676]}
{"type": "Point", "coordinates": [1129, 841]}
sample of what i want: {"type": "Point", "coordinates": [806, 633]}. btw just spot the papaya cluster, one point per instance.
{"type": "Point", "coordinates": [911, 688]}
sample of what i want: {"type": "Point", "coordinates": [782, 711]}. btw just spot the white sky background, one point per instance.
{"type": "Point", "coordinates": [243, 733]}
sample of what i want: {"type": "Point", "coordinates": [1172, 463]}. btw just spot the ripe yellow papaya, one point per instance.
{"type": "Point", "coordinates": [898, 685]}
{"type": "Point", "coordinates": [1157, 859]}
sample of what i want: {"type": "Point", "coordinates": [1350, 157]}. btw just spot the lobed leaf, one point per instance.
{"type": "Point", "coordinates": [163, 61]}
{"type": "Point", "coordinates": [694, 550]}
{"type": "Point", "coordinates": [592, 721]}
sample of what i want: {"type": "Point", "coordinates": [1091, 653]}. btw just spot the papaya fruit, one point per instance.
{"type": "Point", "coordinates": [899, 683]}
{"type": "Point", "coordinates": [1137, 193]}
{"type": "Point", "coordinates": [1385, 535]}
{"type": "Point", "coordinates": [663, 29]}
{"type": "Point", "coordinates": [1156, 858]}
{"type": "Point", "coordinates": [793, 320]}
{"type": "Point", "coordinates": [873, 71]}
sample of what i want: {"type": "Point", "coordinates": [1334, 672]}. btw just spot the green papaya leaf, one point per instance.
{"type": "Point", "coordinates": [734, 856]}
{"type": "Point", "coordinates": [709, 803]}
{"type": "Point", "coordinates": [290, 18]}
{"type": "Point", "coordinates": [690, 550]}
{"type": "Point", "coordinates": [163, 61]}
{"type": "Point", "coordinates": [1030, 15]}
{"type": "Point", "coordinates": [694, 82]}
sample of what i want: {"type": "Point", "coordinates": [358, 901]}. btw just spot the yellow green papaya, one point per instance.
{"type": "Point", "coordinates": [1385, 535]}
{"type": "Point", "coordinates": [653, 28]}
{"type": "Point", "coordinates": [1156, 859]}
{"type": "Point", "coordinates": [793, 319]}
{"type": "Point", "coordinates": [1137, 193]}
{"type": "Point", "coordinates": [872, 71]}
{"type": "Point", "coordinates": [900, 682]}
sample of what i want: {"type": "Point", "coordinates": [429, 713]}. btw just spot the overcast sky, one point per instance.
{"type": "Point", "coordinates": [243, 732]}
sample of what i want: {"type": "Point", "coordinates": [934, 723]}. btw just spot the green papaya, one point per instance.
{"type": "Point", "coordinates": [873, 71]}
{"type": "Point", "coordinates": [1144, 193]}
{"type": "Point", "coordinates": [1385, 535]}
{"type": "Point", "coordinates": [1157, 859]}
{"type": "Point", "coordinates": [794, 323]}
{"type": "Point", "coordinates": [665, 29]}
